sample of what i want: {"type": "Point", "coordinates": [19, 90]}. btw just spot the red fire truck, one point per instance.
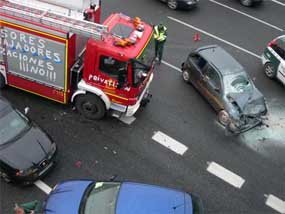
{"type": "Point", "coordinates": [68, 57]}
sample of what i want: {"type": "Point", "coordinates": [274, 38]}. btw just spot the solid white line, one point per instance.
{"type": "Point", "coordinates": [245, 14]}
{"type": "Point", "coordinates": [278, 2]}
{"type": "Point", "coordinates": [171, 66]}
{"type": "Point", "coordinates": [169, 143]}
{"type": "Point", "coordinates": [225, 175]}
{"type": "Point", "coordinates": [44, 187]}
{"type": "Point", "coordinates": [215, 37]}
{"type": "Point", "coordinates": [275, 203]}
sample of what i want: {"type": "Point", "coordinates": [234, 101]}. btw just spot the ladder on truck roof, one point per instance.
{"type": "Point", "coordinates": [46, 17]}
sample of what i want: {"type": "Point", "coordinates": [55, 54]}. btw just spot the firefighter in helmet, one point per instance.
{"type": "Point", "coordinates": [160, 35]}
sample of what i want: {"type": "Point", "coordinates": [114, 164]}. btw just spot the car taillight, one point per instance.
{"type": "Point", "coordinates": [19, 172]}
{"type": "Point", "coordinates": [273, 42]}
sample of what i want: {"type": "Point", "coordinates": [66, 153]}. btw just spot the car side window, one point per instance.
{"type": "Point", "coordinates": [198, 60]}
{"type": "Point", "coordinates": [213, 77]}
{"type": "Point", "coordinates": [111, 66]}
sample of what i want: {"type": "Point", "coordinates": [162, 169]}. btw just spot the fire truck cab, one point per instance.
{"type": "Point", "coordinates": [68, 57]}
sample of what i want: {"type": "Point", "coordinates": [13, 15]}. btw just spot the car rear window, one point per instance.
{"type": "Point", "coordinates": [279, 47]}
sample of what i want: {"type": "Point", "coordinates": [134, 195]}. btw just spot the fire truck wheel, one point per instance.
{"type": "Point", "coordinates": [2, 81]}
{"type": "Point", "coordinates": [90, 106]}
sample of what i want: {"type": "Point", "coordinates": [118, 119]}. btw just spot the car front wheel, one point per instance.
{"type": "Point", "coordinates": [269, 70]}
{"type": "Point", "coordinates": [172, 4]}
{"type": "Point", "coordinates": [224, 118]}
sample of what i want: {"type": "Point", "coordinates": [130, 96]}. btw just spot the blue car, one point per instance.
{"type": "Point", "coordinates": [91, 197]}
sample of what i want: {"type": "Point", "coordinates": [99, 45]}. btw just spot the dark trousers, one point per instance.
{"type": "Point", "coordinates": [159, 49]}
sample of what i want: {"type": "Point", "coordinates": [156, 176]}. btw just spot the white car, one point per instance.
{"type": "Point", "coordinates": [273, 59]}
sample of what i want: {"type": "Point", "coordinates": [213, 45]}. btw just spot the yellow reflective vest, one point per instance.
{"type": "Point", "coordinates": [160, 35]}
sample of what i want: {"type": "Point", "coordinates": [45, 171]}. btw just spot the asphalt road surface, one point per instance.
{"type": "Point", "coordinates": [232, 174]}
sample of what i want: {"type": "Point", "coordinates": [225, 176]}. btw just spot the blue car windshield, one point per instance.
{"type": "Point", "coordinates": [12, 124]}
{"type": "Point", "coordinates": [102, 198]}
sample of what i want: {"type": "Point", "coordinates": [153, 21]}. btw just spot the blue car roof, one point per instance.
{"type": "Point", "coordinates": [148, 199]}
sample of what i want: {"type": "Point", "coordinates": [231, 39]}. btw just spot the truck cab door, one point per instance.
{"type": "Point", "coordinates": [112, 78]}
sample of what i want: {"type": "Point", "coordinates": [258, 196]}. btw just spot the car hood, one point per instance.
{"type": "Point", "coordinates": [249, 103]}
{"type": "Point", "coordinates": [66, 197]}
{"type": "Point", "coordinates": [148, 199]}
{"type": "Point", "coordinates": [27, 150]}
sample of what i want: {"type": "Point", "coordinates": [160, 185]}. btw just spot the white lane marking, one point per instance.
{"type": "Point", "coordinates": [127, 120]}
{"type": "Point", "coordinates": [171, 66]}
{"type": "Point", "coordinates": [275, 203]}
{"type": "Point", "coordinates": [215, 37]}
{"type": "Point", "coordinates": [247, 15]}
{"type": "Point", "coordinates": [225, 175]}
{"type": "Point", "coordinates": [44, 187]}
{"type": "Point", "coordinates": [170, 143]}
{"type": "Point", "coordinates": [278, 2]}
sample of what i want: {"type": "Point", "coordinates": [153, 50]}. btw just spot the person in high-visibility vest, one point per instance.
{"type": "Point", "coordinates": [160, 35]}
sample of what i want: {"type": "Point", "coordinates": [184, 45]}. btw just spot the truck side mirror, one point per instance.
{"type": "Point", "coordinates": [121, 78]}
{"type": "Point", "coordinates": [26, 110]}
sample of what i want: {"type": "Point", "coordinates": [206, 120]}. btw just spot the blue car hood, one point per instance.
{"type": "Point", "coordinates": [148, 199]}
{"type": "Point", "coordinates": [66, 197]}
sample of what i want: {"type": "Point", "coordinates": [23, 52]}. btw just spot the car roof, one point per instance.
{"type": "Point", "coordinates": [220, 59]}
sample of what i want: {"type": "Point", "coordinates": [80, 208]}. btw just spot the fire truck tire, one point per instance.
{"type": "Point", "coordinates": [90, 106]}
{"type": "Point", "coordinates": [2, 81]}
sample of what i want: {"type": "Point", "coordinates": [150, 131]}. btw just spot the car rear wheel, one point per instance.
{"type": "Point", "coordinates": [246, 3]}
{"type": "Point", "coordinates": [172, 4]}
{"type": "Point", "coordinates": [5, 177]}
{"type": "Point", "coordinates": [224, 118]}
{"type": "Point", "coordinates": [186, 76]}
{"type": "Point", "coordinates": [2, 81]}
{"type": "Point", "coordinates": [269, 70]}
{"type": "Point", "coordinates": [90, 106]}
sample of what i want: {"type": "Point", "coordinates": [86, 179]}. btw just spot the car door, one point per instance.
{"type": "Point", "coordinates": [281, 72]}
{"type": "Point", "coordinates": [195, 65]}
{"type": "Point", "coordinates": [212, 83]}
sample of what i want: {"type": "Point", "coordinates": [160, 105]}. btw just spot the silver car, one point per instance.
{"type": "Point", "coordinates": [227, 87]}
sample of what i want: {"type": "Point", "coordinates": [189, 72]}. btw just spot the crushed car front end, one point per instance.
{"type": "Point", "coordinates": [246, 111]}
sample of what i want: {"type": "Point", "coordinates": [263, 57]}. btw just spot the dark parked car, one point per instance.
{"type": "Point", "coordinates": [90, 197]}
{"type": "Point", "coordinates": [26, 151]}
{"type": "Point", "coordinates": [227, 87]}
{"type": "Point", "coordinates": [180, 4]}
{"type": "Point", "coordinates": [250, 3]}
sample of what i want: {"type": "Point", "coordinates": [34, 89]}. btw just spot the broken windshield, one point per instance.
{"type": "Point", "coordinates": [237, 83]}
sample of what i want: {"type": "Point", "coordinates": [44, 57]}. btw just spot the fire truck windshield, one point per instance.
{"type": "Point", "coordinates": [143, 63]}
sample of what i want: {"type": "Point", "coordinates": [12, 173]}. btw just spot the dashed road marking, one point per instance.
{"type": "Point", "coordinates": [127, 120]}
{"type": "Point", "coordinates": [247, 15]}
{"type": "Point", "coordinates": [170, 143]}
{"type": "Point", "coordinates": [42, 186]}
{"type": "Point", "coordinates": [214, 36]}
{"type": "Point", "coordinates": [278, 2]}
{"type": "Point", "coordinates": [275, 203]}
{"type": "Point", "coordinates": [225, 175]}
{"type": "Point", "coordinates": [171, 66]}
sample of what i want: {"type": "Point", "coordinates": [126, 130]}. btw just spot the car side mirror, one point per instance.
{"type": "Point", "coordinates": [217, 89]}
{"type": "Point", "coordinates": [205, 78]}
{"type": "Point", "coordinates": [26, 110]}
